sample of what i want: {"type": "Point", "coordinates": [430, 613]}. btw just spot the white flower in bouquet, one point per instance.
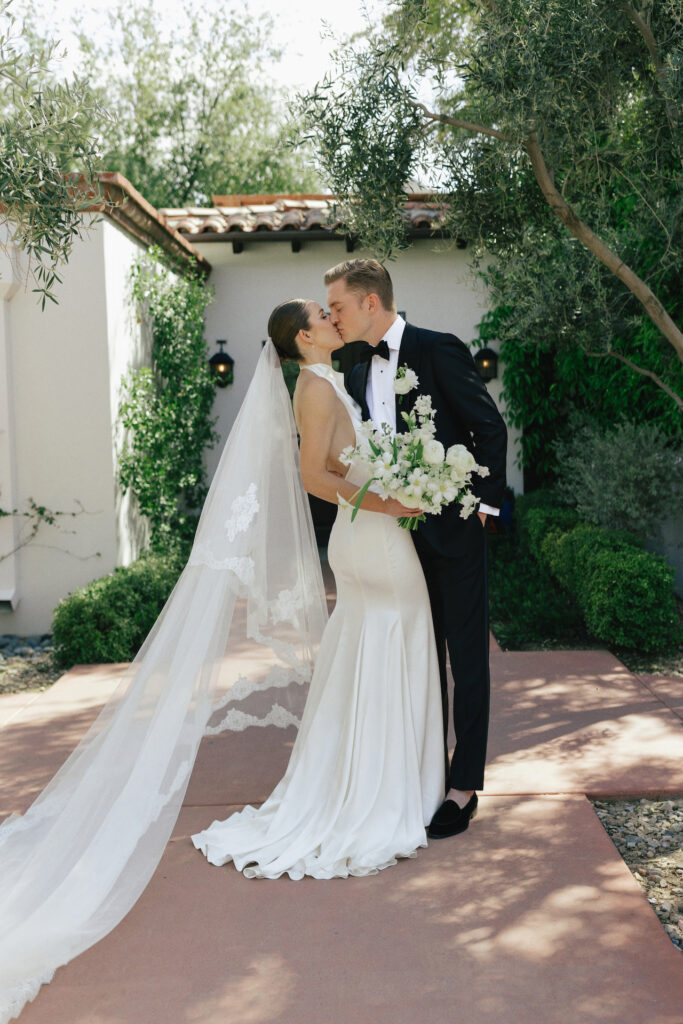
{"type": "Point", "coordinates": [434, 452]}
{"type": "Point", "coordinates": [346, 455]}
{"type": "Point", "coordinates": [460, 459]}
{"type": "Point", "coordinates": [469, 503]}
{"type": "Point", "coordinates": [414, 467]}
{"type": "Point", "coordinates": [423, 405]}
{"type": "Point", "coordinates": [405, 380]}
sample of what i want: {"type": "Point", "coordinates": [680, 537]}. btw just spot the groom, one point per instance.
{"type": "Point", "coordinates": [452, 550]}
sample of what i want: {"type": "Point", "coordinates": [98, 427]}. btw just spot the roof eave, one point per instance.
{"type": "Point", "coordinates": [123, 204]}
{"type": "Point", "coordinates": [298, 236]}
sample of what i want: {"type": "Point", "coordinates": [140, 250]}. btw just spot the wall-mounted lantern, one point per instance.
{"type": "Point", "coordinates": [222, 367]}
{"type": "Point", "coordinates": [487, 363]}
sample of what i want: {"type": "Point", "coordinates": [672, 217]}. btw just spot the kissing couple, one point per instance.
{"type": "Point", "coordinates": [369, 778]}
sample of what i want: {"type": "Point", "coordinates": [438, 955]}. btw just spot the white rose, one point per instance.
{"type": "Point", "coordinates": [434, 453]}
{"type": "Point", "coordinates": [460, 460]}
{"type": "Point", "coordinates": [404, 384]}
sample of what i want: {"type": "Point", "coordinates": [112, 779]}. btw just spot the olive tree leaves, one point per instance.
{"type": "Point", "coordinates": [47, 158]}
{"type": "Point", "coordinates": [532, 118]}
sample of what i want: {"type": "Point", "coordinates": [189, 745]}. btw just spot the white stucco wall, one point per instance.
{"type": "Point", "coordinates": [129, 344]}
{"type": "Point", "coordinates": [61, 387]}
{"type": "Point", "coordinates": [432, 284]}
{"type": "Point", "coordinates": [10, 272]}
{"type": "Point", "coordinates": [66, 363]}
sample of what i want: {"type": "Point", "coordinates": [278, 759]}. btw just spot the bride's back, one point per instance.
{"type": "Point", "coordinates": [322, 420]}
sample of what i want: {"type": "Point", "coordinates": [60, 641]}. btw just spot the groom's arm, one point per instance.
{"type": "Point", "coordinates": [466, 392]}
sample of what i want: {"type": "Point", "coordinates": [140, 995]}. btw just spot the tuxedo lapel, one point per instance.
{"type": "Point", "coordinates": [357, 383]}
{"type": "Point", "coordinates": [408, 355]}
{"type": "Point", "coordinates": [363, 401]}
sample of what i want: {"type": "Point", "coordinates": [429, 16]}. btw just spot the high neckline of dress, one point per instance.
{"type": "Point", "coordinates": [324, 370]}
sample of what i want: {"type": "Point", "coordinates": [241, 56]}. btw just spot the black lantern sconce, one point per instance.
{"type": "Point", "coordinates": [487, 363]}
{"type": "Point", "coordinates": [222, 367]}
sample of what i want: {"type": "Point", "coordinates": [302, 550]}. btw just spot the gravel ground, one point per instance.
{"type": "Point", "coordinates": [27, 663]}
{"type": "Point", "coordinates": [647, 833]}
{"type": "Point", "coordinates": [649, 836]}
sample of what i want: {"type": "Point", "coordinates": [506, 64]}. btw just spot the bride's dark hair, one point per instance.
{"type": "Point", "coordinates": [284, 324]}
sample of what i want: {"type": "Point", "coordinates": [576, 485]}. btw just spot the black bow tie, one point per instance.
{"type": "Point", "coordinates": [375, 350]}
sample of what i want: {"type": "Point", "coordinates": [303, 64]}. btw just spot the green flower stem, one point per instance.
{"type": "Point", "coordinates": [410, 522]}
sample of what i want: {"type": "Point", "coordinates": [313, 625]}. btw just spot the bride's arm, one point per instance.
{"type": "Point", "coordinates": [316, 409]}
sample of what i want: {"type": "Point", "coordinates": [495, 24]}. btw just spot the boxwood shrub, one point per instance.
{"type": "Point", "coordinates": [108, 619]}
{"type": "Point", "coordinates": [630, 599]}
{"type": "Point", "coordinates": [625, 594]}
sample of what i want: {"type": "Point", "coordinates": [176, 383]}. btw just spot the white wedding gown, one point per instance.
{"type": "Point", "coordinates": [367, 770]}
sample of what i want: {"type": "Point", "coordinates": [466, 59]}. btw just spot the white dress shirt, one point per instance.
{"type": "Point", "coordinates": [380, 395]}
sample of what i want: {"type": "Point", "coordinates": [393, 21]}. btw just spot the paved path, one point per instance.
{"type": "Point", "coordinates": [530, 916]}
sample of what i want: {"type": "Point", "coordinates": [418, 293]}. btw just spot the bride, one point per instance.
{"type": "Point", "coordinates": [367, 769]}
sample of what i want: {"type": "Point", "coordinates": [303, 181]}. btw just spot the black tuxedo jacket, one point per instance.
{"type": "Point", "coordinates": [465, 414]}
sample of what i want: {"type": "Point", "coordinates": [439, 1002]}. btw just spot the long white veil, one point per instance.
{"type": "Point", "coordinates": [75, 863]}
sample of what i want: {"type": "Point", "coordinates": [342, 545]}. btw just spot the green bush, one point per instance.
{"type": "Point", "coordinates": [540, 523]}
{"type": "Point", "coordinates": [625, 477]}
{"type": "Point", "coordinates": [624, 594]}
{"type": "Point", "coordinates": [527, 606]}
{"type": "Point", "coordinates": [630, 600]}
{"type": "Point", "coordinates": [108, 619]}
{"type": "Point", "coordinates": [568, 555]}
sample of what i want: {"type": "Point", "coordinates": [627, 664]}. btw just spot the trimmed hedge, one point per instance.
{"type": "Point", "coordinates": [625, 594]}
{"type": "Point", "coordinates": [108, 619]}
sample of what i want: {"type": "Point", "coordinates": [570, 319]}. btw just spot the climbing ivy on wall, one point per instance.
{"type": "Point", "coordinates": [165, 408]}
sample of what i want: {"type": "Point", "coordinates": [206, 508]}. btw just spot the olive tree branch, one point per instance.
{"type": "Point", "coordinates": [639, 369]}
{"type": "Point", "coordinates": [561, 208]}
{"type": "Point", "coordinates": [455, 122]}
{"type": "Point", "coordinates": [660, 72]}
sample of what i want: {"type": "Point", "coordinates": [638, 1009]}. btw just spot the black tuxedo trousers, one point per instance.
{"type": "Point", "coordinates": [452, 550]}
{"type": "Point", "coordinates": [458, 596]}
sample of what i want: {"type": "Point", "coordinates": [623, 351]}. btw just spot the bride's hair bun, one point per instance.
{"type": "Point", "coordinates": [284, 324]}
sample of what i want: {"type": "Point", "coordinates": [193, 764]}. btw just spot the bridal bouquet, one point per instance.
{"type": "Point", "coordinates": [414, 467]}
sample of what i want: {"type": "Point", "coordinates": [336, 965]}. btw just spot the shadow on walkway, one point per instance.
{"type": "Point", "coordinates": [530, 916]}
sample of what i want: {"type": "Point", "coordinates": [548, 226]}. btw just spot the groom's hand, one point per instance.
{"type": "Point", "coordinates": [482, 516]}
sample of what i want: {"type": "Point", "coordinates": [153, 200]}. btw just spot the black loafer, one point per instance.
{"type": "Point", "coordinates": [451, 820]}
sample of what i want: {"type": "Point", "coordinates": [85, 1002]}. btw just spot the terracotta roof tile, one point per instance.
{"type": "Point", "coordinates": [292, 218]}
{"type": "Point", "coordinates": [263, 208]}
{"type": "Point", "coordinates": [274, 213]}
{"type": "Point", "coordinates": [215, 223]}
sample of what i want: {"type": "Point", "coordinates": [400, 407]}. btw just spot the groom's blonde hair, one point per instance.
{"type": "Point", "coordinates": [366, 277]}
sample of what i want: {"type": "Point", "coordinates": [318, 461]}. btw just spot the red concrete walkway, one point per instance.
{"type": "Point", "coordinates": [530, 916]}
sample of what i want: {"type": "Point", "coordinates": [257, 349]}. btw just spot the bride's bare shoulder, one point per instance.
{"type": "Point", "coordinates": [313, 390]}
{"type": "Point", "coordinates": [314, 398]}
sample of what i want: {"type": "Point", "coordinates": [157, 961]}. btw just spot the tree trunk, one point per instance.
{"type": "Point", "coordinates": [561, 208]}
